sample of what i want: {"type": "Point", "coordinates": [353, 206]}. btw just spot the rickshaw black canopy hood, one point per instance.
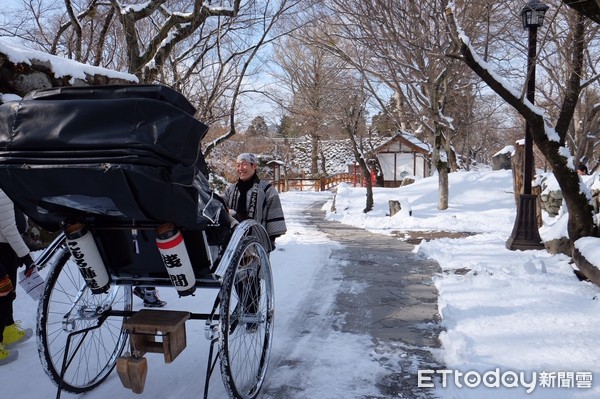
{"type": "Point", "coordinates": [127, 152]}
{"type": "Point", "coordinates": [152, 117]}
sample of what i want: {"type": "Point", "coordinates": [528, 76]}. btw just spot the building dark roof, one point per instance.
{"type": "Point", "coordinates": [589, 8]}
{"type": "Point", "coordinates": [408, 140]}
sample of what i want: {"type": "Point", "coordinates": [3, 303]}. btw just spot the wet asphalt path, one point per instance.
{"type": "Point", "coordinates": [398, 306]}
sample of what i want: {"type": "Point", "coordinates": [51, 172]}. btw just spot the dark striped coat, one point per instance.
{"type": "Point", "coordinates": [268, 211]}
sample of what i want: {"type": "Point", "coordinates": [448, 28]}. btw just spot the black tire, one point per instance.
{"type": "Point", "coordinates": [246, 320]}
{"type": "Point", "coordinates": [69, 306]}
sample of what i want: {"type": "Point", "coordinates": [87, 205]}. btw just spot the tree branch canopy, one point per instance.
{"type": "Point", "coordinates": [174, 29]}
{"type": "Point", "coordinates": [481, 68]}
{"type": "Point", "coordinates": [549, 141]}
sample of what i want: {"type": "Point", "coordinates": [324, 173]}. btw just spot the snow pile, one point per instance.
{"type": "Point", "coordinates": [509, 313]}
{"type": "Point", "coordinates": [60, 66]}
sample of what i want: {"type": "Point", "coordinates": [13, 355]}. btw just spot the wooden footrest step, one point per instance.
{"type": "Point", "coordinates": [144, 328]}
{"type": "Point", "coordinates": [146, 325]}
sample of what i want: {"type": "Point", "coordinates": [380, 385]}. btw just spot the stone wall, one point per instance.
{"type": "Point", "coordinates": [551, 201]}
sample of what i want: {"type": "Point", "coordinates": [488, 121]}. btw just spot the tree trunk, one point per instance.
{"type": "Point", "coordinates": [314, 154]}
{"type": "Point", "coordinates": [323, 163]}
{"type": "Point", "coordinates": [443, 188]}
{"type": "Point", "coordinates": [369, 186]}
{"type": "Point", "coordinates": [581, 222]}
{"type": "Point", "coordinates": [517, 171]}
{"type": "Point", "coordinates": [440, 159]}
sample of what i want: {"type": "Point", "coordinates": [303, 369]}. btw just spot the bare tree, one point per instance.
{"type": "Point", "coordinates": [153, 29]}
{"type": "Point", "coordinates": [550, 140]}
{"type": "Point", "coordinates": [555, 64]}
{"type": "Point", "coordinates": [353, 121]}
{"type": "Point", "coordinates": [313, 76]}
{"type": "Point", "coordinates": [401, 43]}
{"type": "Point", "coordinates": [220, 70]}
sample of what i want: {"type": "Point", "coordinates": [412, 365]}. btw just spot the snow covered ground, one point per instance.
{"type": "Point", "coordinates": [507, 314]}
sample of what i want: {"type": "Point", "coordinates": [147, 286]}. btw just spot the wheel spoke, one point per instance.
{"type": "Point", "coordinates": [247, 321]}
{"type": "Point", "coordinates": [68, 308]}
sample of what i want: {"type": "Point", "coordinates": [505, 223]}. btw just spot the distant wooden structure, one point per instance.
{"type": "Point", "coordinates": [589, 8]}
{"type": "Point", "coordinates": [316, 184]}
{"type": "Point", "coordinates": [401, 156]}
{"type": "Point", "coordinates": [503, 158]}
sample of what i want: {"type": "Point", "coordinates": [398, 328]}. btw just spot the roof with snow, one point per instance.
{"type": "Point", "coordinates": [27, 70]}
{"type": "Point", "coordinates": [509, 149]}
{"type": "Point", "coordinates": [404, 142]}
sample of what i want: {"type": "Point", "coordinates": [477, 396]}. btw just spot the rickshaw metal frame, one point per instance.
{"type": "Point", "coordinates": [214, 281]}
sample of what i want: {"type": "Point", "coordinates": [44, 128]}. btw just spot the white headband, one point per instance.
{"type": "Point", "coordinates": [250, 158]}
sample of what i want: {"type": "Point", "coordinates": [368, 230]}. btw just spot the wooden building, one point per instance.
{"type": "Point", "coordinates": [403, 155]}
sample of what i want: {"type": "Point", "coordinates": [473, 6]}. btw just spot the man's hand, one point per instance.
{"type": "Point", "coordinates": [30, 269]}
{"type": "Point", "coordinates": [29, 265]}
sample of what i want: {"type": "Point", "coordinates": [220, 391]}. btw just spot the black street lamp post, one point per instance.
{"type": "Point", "coordinates": [525, 234]}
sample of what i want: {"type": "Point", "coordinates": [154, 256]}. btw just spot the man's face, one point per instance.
{"type": "Point", "coordinates": [245, 170]}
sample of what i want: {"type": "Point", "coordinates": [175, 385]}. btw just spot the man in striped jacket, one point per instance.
{"type": "Point", "coordinates": [252, 198]}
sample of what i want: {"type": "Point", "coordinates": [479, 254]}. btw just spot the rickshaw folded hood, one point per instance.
{"type": "Point", "coordinates": [118, 153]}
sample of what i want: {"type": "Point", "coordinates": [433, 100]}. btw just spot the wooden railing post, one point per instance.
{"type": "Point", "coordinates": [318, 184]}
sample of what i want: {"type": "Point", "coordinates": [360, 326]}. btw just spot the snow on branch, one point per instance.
{"type": "Point", "coordinates": [139, 11]}
{"type": "Point", "coordinates": [146, 56]}
{"type": "Point", "coordinates": [496, 82]}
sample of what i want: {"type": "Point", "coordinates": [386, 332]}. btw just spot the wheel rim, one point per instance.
{"type": "Point", "coordinates": [247, 323]}
{"type": "Point", "coordinates": [69, 308]}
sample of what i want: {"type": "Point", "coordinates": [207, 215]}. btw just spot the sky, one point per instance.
{"type": "Point", "coordinates": [505, 313]}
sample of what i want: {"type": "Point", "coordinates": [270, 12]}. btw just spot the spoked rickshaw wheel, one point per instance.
{"type": "Point", "coordinates": [246, 313]}
{"type": "Point", "coordinates": [68, 308]}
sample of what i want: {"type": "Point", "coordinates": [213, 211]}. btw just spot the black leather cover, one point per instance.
{"type": "Point", "coordinates": [104, 154]}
